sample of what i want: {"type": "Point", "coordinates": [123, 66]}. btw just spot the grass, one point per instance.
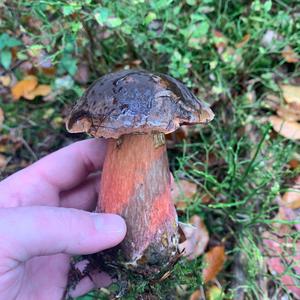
{"type": "Point", "coordinates": [236, 160]}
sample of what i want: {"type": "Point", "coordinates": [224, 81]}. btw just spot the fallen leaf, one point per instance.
{"type": "Point", "coordinates": [278, 260]}
{"type": "Point", "coordinates": [24, 86]}
{"type": "Point", "coordinates": [213, 263]}
{"type": "Point", "coordinates": [181, 190]}
{"type": "Point", "coordinates": [50, 71]}
{"type": "Point", "coordinates": [294, 163]}
{"type": "Point", "coordinates": [291, 93]}
{"type": "Point", "coordinates": [196, 236]}
{"type": "Point", "coordinates": [283, 252]}
{"type": "Point", "coordinates": [197, 295]}
{"type": "Point", "coordinates": [244, 41]}
{"type": "Point", "coordinates": [291, 198]}
{"type": "Point", "coordinates": [290, 55]}
{"type": "Point", "coordinates": [205, 199]}
{"type": "Point", "coordinates": [288, 129]}
{"type": "Point", "coordinates": [220, 41]}
{"type": "Point", "coordinates": [40, 90]}
{"type": "Point", "coordinates": [272, 102]}
{"type": "Point", "coordinates": [1, 116]}
{"type": "Point", "coordinates": [288, 113]}
{"type": "Point", "coordinates": [5, 80]}
{"type": "Point", "coordinates": [3, 161]}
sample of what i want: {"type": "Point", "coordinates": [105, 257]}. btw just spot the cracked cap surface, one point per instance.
{"type": "Point", "coordinates": [136, 101]}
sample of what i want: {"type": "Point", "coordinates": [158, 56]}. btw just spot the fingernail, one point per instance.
{"type": "Point", "coordinates": [110, 223]}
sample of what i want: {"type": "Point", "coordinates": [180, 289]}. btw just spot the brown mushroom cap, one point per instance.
{"type": "Point", "coordinates": [136, 101]}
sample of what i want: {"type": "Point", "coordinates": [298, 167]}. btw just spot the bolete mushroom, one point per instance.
{"type": "Point", "coordinates": [134, 109]}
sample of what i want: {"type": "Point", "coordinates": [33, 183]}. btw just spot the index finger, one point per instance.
{"type": "Point", "coordinates": [61, 170]}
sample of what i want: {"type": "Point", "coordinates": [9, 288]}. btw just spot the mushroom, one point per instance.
{"type": "Point", "coordinates": [134, 109]}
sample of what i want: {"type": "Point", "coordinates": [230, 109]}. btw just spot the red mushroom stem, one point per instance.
{"type": "Point", "coordinates": [136, 184]}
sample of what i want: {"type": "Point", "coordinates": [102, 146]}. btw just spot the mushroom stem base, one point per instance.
{"type": "Point", "coordinates": [136, 184]}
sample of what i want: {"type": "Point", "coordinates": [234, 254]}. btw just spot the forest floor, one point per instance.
{"type": "Point", "coordinates": [237, 178]}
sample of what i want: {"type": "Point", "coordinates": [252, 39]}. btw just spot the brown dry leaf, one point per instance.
{"type": "Point", "coordinates": [220, 41]}
{"type": "Point", "coordinates": [24, 86]}
{"type": "Point", "coordinates": [197, 238]}
{"type": "Point", "coordinates": [50, 71]}
{"type": "Point", "coordinates": [282, 252]}
{"type": "Point", "coordinates": [5, 80]}
{"type": "Point", "coordinates": [183, 189]}
{"type": "Point", "coordinates": [291, 198]}
{"type": "Point", "coordinates": [290, 55]}
{"type": "Point", "coordinates": [294, 163]}
{"type": "Point", "coordinates": [288, 129]}
{"type": "Point", "coordinates": [291, 93]}
{"type": "Point", "coordinates": [1, 116]}
{"type": "Point", "coordinates": [288, 113]}
{"type": "Point", "coordinates": [197, 295]}
{"type": "Point", "coordinates": [244, 41]}
{"type": "Point", "coordinates": [3, 161]}
{"type": "Point", "coordinates": [214, 260]}
{"type": "Point", "coordinates": [40, 90]}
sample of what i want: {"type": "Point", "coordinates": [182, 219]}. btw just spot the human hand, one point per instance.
{"type": "Point", "coordinates": [44, 219]}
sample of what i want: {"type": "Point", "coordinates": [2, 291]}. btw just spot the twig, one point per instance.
{"type": "Point", "coordinates": [16, 65]}
{"type": "Point", "coordinates": [28, 148]}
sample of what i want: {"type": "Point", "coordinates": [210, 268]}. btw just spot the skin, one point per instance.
{"type": "Point", "coordinates": [45, 218]}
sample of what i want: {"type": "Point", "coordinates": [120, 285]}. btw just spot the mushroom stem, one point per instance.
{"type": "Point", "coordinates": [136, 184]}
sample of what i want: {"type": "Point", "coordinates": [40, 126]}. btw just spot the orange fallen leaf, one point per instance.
{"type": "Point", "coordinates": [214, 260]}
{"type": "Point", "coordinates": [244, 41]}
{"type": "Point", "coordinates": [197, 295]}
{"type": "Point", "coordinates": [294, 163]}
{"type": "Point", "coordinates": [50, 71]}
{"type": "Point", "coordinates": [288, 129]}
{"type": "Point", "coordinates": [290, 55]}
{"type": "Point", "coordinates": [291, 93]}
{"type": "Point", "coordinates": [40, 90]}
{"type": "Point", "coordinates": [196, 236]}
{"type": "Point", "coordinates": [24, 86]}
{"type": "Point", "coordinates": [291, 198]}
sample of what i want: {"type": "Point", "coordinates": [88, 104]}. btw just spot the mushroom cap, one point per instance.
{"type": "Point", "coordinates": [136, 101]}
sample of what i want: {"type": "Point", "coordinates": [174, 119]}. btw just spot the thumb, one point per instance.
{"type": "Point", "coordinates": [39, 230]}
